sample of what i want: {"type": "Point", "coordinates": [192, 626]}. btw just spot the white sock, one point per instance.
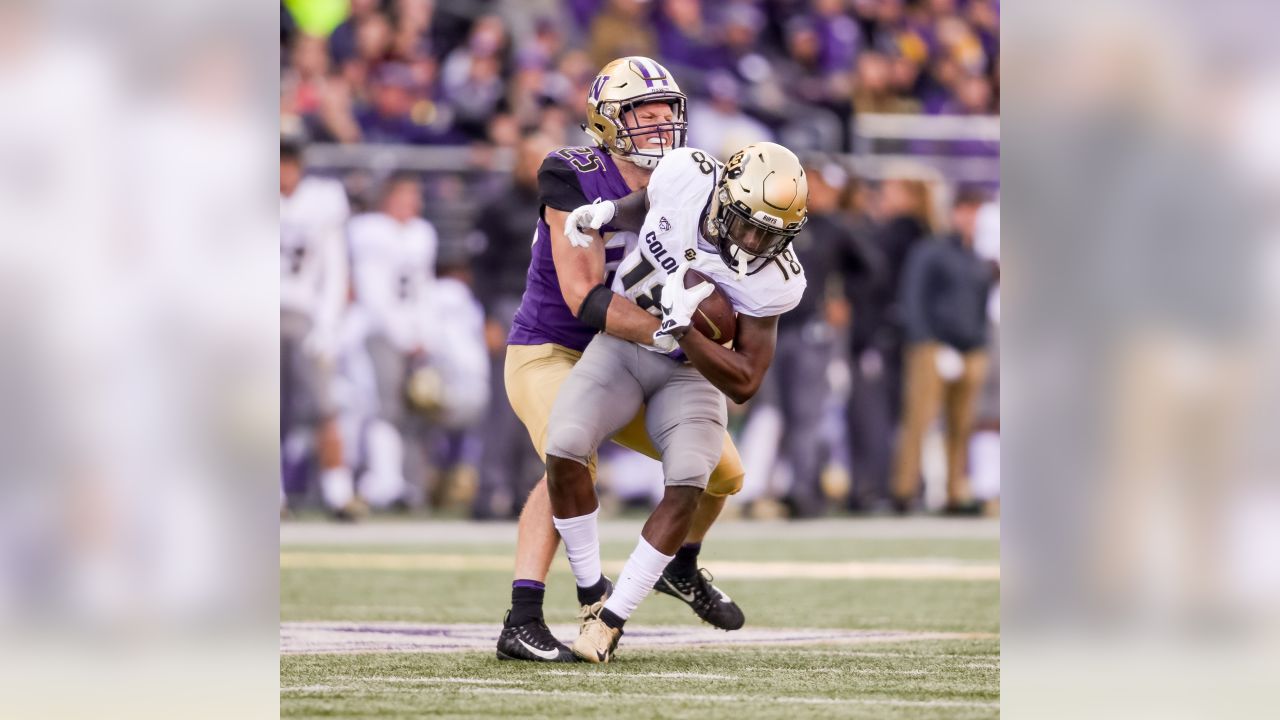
{"type": "Point", "coordinates": [582, 544]}
{"type": "Point", "coordinates": [637, 579]}
{"type": "Point", "coordinates": [336, 487]}
{"type": "Point", "coordinates": [383, 483]}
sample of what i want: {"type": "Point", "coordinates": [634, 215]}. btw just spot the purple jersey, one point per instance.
{"type": "Point", "coordinates": [569, 178]}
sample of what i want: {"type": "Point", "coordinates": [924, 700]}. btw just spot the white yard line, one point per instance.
{"type": "Point", "coordinates": [923, 569]}
{"type": "Point", "coordinates": [691, 697]}
{"type": "Point", "coordinates": [427, 680]}
{"type": "Point", "coordinates": [349, 690]}
{"type": "Point", "coordinates": [922, 656]}
{"type": "Point", "coordinates": [589, 673]}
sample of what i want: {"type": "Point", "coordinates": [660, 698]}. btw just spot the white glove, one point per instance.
{"type": "Point", "coordinates": [588, 217]}
{"type": "Point", "coordinates": [666, 343]}
{"type": "Point", "coordinates": [679, 303]}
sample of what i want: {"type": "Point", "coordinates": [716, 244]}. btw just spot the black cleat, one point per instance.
{"type": "Point", "coordinates": [531, 641]}
{"type": "Point", "coordinates": [708, 601]}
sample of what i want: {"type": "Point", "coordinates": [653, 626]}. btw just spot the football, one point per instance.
{"type": "Point", "coordinates": [715, 317]}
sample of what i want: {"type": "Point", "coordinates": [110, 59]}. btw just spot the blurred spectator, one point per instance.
{"type": "Point", "coordinates": [621, 30]}
{"type": "Point", "coordinates": [797, 382]}
{"type": "Point", "coordinates": [877, 91]}
{"type": "Point", "coordinates": [905, 212]}
{"type": "Point", "coordinates": [473, 75]}
{"type": "Point", "coordinates": [803, 70]}
{"type": "Point", "coordinates": [398, 112]}
{"type": "Point", "coordinates": [509, 467]}
{"type": "Point", "coordinates": [720, 126]}
{"type": "Point", "coordinates": [945, 288]}
{"type": "Point", "coordinates": [303, 83]}
{"type": "Point", "coordinates": [840, 37]}
{"type": "Point", "coordinates": [687, 43]}
{"type": "Point", "coordinates": [801, 66]}
{"type": "Point", "coordinates": [343, 41]}
{"type": "Point", "coordinates": [754, 64]}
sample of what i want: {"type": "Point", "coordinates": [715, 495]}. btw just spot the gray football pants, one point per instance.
{"type": "Point", "coordinates": [685, 414]}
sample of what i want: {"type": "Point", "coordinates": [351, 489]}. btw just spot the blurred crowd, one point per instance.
{"type": "Point", "coordinates": [884, 394]}
{"type": "Point", "coordinates": [459, 72]}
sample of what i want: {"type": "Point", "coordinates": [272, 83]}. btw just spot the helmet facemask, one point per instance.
{"type": "Point", "coordinates": [645, 144]}
{"type": "Point", "coordinates": [743, 239]}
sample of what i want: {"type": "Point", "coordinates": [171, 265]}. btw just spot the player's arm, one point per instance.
{"type": "Point", "coordinates": [581, 275]}
{"type": "Point", "coordinates": [626, 213]}
{"type": "Point", "coordinates": [738, 372]}
{"type": "Point", "coordinates": [629, 211]}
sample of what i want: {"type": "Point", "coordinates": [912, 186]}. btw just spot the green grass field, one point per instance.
{"type": "Point", "coordinates": [926, 645]}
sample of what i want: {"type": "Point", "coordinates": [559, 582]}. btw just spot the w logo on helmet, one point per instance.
{"type": "Point", "coordinates": [598, 86]}
{"type": "Point", "coordinates": [654, 74]}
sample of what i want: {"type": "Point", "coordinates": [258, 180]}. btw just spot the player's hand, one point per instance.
{"type": "Point", "coordinates": [588, 217]}
{"type": "Point", "coordinates": [666, 343]}
{"type": "Point", "coordinates": [679, 303]}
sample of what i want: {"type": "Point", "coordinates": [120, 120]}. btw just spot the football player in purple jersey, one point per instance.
{"type": "Point", "coordinates": [636, 115]}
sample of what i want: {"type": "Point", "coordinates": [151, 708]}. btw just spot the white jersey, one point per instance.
{"type": "Point", "coordinates": [456, 348]}
{"type": "Point", "coordinates": [679, 192]}
{"type": "Point", "coordinates": [313, 259]}
{"type": "Point", "coordinates": [393, 265]}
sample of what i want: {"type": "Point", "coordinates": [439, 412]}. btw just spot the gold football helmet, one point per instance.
{"type": "Point", "coordinates": [760, 204]}
{"type": "Point", "coordinates": [623, 85]}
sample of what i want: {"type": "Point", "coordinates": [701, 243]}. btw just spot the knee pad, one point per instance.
{"type": "Point", "coordinates": [570, 441]}
{"type": "Point", "coordinates": [724, 485]}
{"type": "Point", "coordinates": [686, 471]}
{"type": "Point", "coordinates": [728, 476]}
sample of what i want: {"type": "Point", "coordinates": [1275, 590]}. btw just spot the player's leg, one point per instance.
{"type": "Point", "coordinates": [683, 579]}
{"type": "Point", "coordinates": [686, 418]}
{"type": "Point", "coordinates": [600, 396]}
{"type": "Point", "coordinates": [533, 375]}
{"type": "Point", "coordinates": [726, 479]}
{"type": "Point", "coordinates": [310, 381]}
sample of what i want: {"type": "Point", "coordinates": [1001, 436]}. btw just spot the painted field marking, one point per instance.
{"type": "Point", "coordinates": [427, 680]}
{"type": "Point", "coordinates": [591, 672]}
{"type": "Point", "coordinates": [350, 690]}
{"type": "Point", "coordinates": [690, 697]}
{"type": "Point", "coordinates": [344, 637]}
{"type": "Point", "coordinates": [921, 569]}
{"type": "Point", "coordinates": [922, 656]}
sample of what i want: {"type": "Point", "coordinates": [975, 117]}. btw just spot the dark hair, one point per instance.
{"type": "Point", "coordinates": [400, 177]}
{"type": "Point", "coordinates": [290, 149]}
{"type": "Point", "coordinates": [397, 178]}
{"type": "Point", "coordinates": [969, 196]}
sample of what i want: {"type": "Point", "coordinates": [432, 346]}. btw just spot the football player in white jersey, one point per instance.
{"type": "Point", "coordinates": [733, 223]}
{"type": "Point", "coordinates": [393, 257]}
{"type": "Point", "coordinates": [313, 297]}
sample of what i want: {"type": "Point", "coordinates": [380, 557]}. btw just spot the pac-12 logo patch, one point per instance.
{"type": "Point", "coordinates": [690, 254]}
{"type": "Point", "coordinates": [663, 225]}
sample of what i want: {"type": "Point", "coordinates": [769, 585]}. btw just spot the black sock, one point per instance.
{"type": "Point", "coordinates": [589, 595]}
{"type": "Point", "coordinates": [611, 619]}
{"type": "Point", "coordinates": [526, 602]}
{"type": "Point", "coordinates": [685, 563]}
